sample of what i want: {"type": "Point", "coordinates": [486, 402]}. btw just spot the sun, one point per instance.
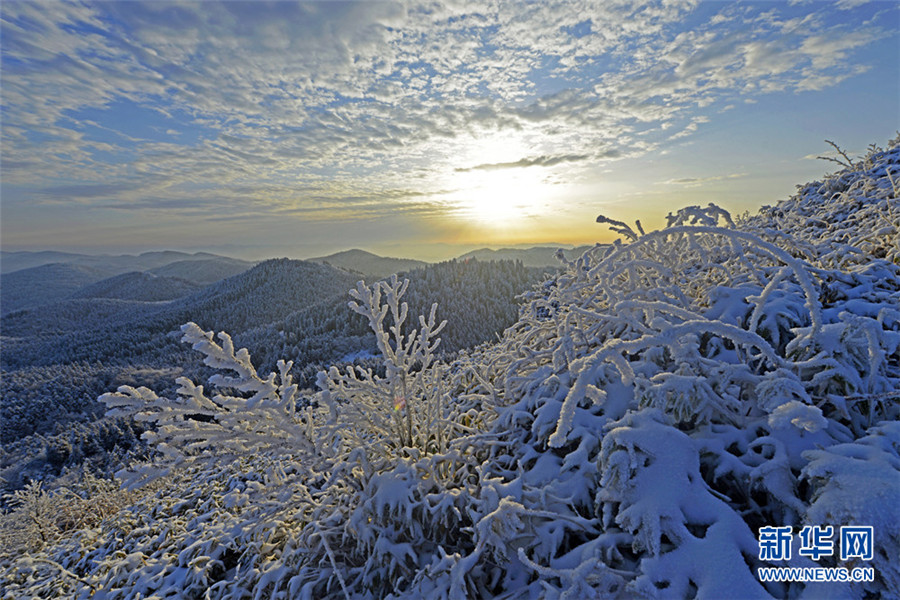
{"type": "Point", "coordinates": [494, 183]}
{"type": "Point", "coordinates": [502, 197]}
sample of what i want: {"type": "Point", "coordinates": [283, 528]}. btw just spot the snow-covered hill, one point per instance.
{"type": "Point", "coordinates": [145, 287]}
{"type": "Point", "coordinates": [661, 406]}
{"type": "Point", "coordinates": [203, 272]}
{"type": "Point", "coordinates": [370, 265]}
{"type": "Point", "coordinates": [45, 284]}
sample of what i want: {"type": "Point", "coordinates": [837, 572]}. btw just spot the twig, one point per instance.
{"type": "Point", "coordinates": [848, 164]}
{"type": "Point", "coordinates": [333, 561]}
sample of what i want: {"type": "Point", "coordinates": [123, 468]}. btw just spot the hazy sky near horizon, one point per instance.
{"type": "Point", "coordinates": [299, 129]}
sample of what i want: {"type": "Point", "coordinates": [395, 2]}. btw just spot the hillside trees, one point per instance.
{"type": "Point", "coordinates": [477, 299]}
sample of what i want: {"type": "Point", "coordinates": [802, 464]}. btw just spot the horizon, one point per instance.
{"type": "Point", "coordinates": [420, 131]}
{"type": "Point", "coordinates": [442, 257]}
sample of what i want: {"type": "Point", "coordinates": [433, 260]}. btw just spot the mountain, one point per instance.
{"type": "Point", "coordinates": [366, 263]}
{"type": "Point", "coordinates": [146, 287]}
{"type": "Point", "coordinates": [539, 256]}
{"type": "Point", "coordinates": [16, 261]}
{"type": "Point", "coordinates": [32, 279]}
{"type": "Point", "coordinates": [203, 271]}
{"type": "Point", "coordinates": [113, 264]}
{"type": "Point", "coordinates": [661, 420]}
{"type": "Point", "coordinates": [115, 329]}
{"type": "Point", "coordinates": [44, 284]}
{"type": "Point", "coordinates": [269, 291]}
{"type": "Point", "coordinates": [477, 298]}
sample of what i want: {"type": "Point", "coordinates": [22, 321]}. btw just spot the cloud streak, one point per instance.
{"type": "Point", "coordinates": [538, 161]}
{"type": "Point", "coordinates": [698, 181]}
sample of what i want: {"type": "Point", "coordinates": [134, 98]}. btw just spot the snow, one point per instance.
{"type": "Point", "coordinates": [354, 356]}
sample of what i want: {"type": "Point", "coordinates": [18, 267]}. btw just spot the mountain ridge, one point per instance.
{"type": "Point", "coordinates": [116, 264]}
{"type": "Point", "coordinates": [367, 263]}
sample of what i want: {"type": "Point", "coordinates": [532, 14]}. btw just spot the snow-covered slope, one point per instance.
{"type": "Point", "coordinates": [658, 403]}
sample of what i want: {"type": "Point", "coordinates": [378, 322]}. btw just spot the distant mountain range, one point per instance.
{"type": "Point", "coordinates": [363, 262]}
{"type": "Point", "coordinates": [33, 279]}
{"type": "Point", "coordinates": [111, 264]}
{"type": "Point", "coordinates": [174, 274]}
{"type": "Point", "coordinates": [107, 328]}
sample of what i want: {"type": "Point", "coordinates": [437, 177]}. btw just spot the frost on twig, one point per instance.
{"type": "Point", "coordinates": [248, 414]}
{"type": "Point", "coordinates": [847, 162]}
{"type": "Point", "coordinates": [655, 295]}
{"type": "Point", "coordinates": [406, 407]}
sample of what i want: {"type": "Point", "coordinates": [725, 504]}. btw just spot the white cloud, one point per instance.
{"type": "Point", "coordinates": [362, 100]}
{"type": "Point", "coordinates": [699, 181]}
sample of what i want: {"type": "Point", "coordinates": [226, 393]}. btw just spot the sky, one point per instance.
{"type": "Point", "coordinates": [260, 129]}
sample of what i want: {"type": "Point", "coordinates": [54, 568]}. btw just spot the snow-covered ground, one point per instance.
{"type": "Point", "coordinates": [670, 415]}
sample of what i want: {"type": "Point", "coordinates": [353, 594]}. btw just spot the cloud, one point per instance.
{"type": "Point", "coordinates": [311, 108]}
{"type": "Point", "coordinates": [539, 161]}
{"type": "Point", "coordinates": [85, 190]}
{"type": "Point", "coordinates": [698, 181]}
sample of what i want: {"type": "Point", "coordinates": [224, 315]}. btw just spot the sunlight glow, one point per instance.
{"type": "Point", "coordinates": [503, 197]}
{"type": "Point", "coordinates": [493, 190]}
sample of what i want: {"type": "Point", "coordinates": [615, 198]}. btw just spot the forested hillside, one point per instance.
{"type": "Point", "coordinates": [538, 257]}
{"type": "Point", "coordinates": [203, 272]}
{"type": "Point", "coordinates": [366, 264]}
{"type": "Point", "coordinates": [124, 332]}
{"type": "Point", "coordinates": [478, 300]}
{"type": "Point", "coordinates": [45, 284]}
{"type": "Point", "coordinates": [657, 405]}
{"type": "Point", "coordinates": [57, 361]}
{"type": "Point", "coordinates": [145, 287]}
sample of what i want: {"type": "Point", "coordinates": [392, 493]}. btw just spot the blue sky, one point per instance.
{"type": "Point", "coordinates": [299, 129]}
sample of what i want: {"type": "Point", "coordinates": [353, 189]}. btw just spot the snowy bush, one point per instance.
{"type": "Point", "coordinates": [744, 349]}
{"type": "Point", "coordinates": [249, 414]}
{"type": "Point", "coordinates": [406, 407]}
{"type": "Point", "coordinates": [39, 517]}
